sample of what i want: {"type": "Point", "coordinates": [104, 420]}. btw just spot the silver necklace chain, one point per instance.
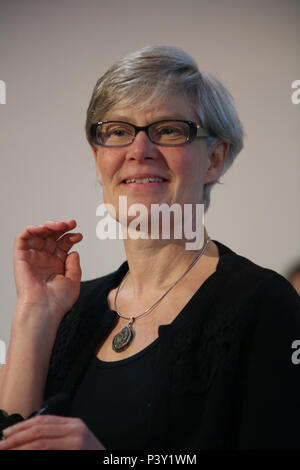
{"type": "Point", "coordinates": [167, 291]}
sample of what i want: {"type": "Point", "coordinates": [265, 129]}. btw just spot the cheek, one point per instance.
{"type": "Point", "coordinates": [106, 168]}
{"type": "Point", "coordinates": [193, 170]}
{"type": "Point", "coordinates": [192, 166]}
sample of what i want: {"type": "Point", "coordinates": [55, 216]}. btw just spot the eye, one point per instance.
{"type": "Point", "coordinates": [117, 131]}
{"type": "Point", "coordinates": [168, 130]}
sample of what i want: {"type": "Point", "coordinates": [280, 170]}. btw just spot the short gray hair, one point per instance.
{"type": "Point", "coordinates": [156, 72]}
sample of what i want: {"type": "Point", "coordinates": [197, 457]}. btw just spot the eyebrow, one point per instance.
{"type": "Point", "coordinates": [117, 117]}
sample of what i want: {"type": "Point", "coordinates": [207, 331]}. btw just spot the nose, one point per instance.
{"type": "Point", "coordinates": [142, 148]}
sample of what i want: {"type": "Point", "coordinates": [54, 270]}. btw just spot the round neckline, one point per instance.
{"type": "Point", "coordinates": [123, 269]}
{"type": "Point", "coordinates": [120, 362]}
{"type": "Point", "coordinates": [202, 292]}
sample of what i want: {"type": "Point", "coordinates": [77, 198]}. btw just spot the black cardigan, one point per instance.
{"type": "Point", "coordinates": [225, 378]}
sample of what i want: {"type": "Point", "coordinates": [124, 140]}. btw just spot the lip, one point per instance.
{"type": "Point", "coordinates": [144, 186]}
{"type": "Point", "coordinates": [143, 175]}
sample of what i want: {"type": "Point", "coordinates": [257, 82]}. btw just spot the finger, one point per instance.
{"type": "Point", "coordinates": [50, 245]}
{"type": "Point", "coordinates": [48, 228]}
{"type": "Point", "coordinates": [37, 243]}
{"type": "Point", "coordinates": [35, 420]}
{"type": "Point", "coordinates": [33, 435]}
{"type": "Point", "coordinates": [68, 240]}
{"type": "Point", "coordinates": [72, 267]}
{"type": "Point", "coordinates": [38, 428]}
{"type": "Point", "coordinates": [57, 229]}
{"type": "Point", "coordinates": [50, 444]}
{"type": "Point", "coordinates": [65, 244]}
{"type": "Point", "coordinates": [53, 229]}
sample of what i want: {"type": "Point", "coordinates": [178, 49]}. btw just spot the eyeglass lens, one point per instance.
{"type": "Point", "coordinates": [166, 133]}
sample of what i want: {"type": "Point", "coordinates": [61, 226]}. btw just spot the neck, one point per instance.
{"type": "Point", "coordinates": [157, 264]}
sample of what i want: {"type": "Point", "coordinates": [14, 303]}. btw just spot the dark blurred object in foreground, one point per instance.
{"type": "Point", "coordinates": [293, 276]}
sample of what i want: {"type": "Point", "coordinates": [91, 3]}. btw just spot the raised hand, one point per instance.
{"type": "Point", "coordinates": [46, 274]}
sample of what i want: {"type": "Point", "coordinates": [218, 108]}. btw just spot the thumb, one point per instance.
{"type": "Point", "coordinates": [72, 267]}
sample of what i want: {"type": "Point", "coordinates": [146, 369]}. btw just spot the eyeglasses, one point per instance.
{"type": "Point", "coordinates": [168, 133]}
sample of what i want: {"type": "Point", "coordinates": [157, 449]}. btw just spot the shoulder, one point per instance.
{"type": "Point", "coordinates": [247, 320]}
{"type": "Point", "coordinates": [253, 305]}
{"type": "Point", "coordinates": [244, 282]}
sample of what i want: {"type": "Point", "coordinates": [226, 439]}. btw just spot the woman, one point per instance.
{"type": "Point", "coordinates": [181, 349]}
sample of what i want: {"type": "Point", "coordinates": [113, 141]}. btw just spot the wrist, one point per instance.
{"type": "Point", "coordinates": [33, 316]}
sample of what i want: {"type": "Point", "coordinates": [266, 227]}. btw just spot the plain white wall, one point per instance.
{"type": "Point", "coordinates": [52, 53]}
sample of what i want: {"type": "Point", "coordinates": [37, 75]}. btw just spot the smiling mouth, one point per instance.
{"type": "Point", "coordinates": [145, 180]}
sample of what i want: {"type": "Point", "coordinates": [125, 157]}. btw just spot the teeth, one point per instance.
{"type": "Point", "coordinates": [144, 180]}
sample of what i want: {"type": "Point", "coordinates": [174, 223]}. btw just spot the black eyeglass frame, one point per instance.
{"type": "Point", "coordinates": [195, 131]}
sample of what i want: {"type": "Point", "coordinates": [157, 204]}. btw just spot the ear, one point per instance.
{"type": "Point", "coordinates": [217, 156]}
{"type": "Point", "coordinates": [95, 152]}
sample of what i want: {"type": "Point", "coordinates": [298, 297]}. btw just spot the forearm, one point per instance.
{"type": "Point", "coordinates": [23, 376]}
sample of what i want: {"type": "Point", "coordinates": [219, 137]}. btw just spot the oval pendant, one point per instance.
{"type": "Point", "coordinates": [123, 339]}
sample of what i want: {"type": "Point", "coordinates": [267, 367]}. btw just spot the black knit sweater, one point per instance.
{"type": "Point", "coordinates": [225, 378]}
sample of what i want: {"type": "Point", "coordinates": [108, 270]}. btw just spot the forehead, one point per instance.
{"type": "Point", "coordinates": [174, 107]}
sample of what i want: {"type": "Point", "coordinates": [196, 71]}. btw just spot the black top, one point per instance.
{"type": "Point", "coordinates": [114, 399]}
{"type": "Point", "coordinates": [224, 375]}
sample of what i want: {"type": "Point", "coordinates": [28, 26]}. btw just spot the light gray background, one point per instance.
{"type": "Point", "coordinates": [52, 53]}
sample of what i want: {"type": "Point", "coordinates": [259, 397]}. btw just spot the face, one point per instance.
{"type": "Point", "coordinates": [185, 169]}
